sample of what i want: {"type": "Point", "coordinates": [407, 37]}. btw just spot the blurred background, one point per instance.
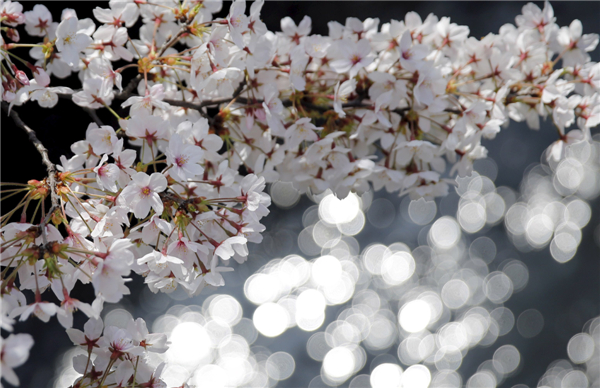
{"type": "Point", "coordinates": [463, 285]}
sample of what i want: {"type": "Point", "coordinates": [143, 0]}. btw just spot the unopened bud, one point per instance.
{"type": "Point", "coordinates": [57, 218]}
{"type": "Point", "coordinates": [13, 34]}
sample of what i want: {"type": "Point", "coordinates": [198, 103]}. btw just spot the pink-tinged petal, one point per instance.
{"type": "Point", "coordinates": [141, 179]}
{"type": "Point", "coordinates": [156, 203]}
{"type": "Point", "coordinates": [65, 318]}
{"type": "Point", "coordinates": [224, 251]}
{"type": "Point", "coordinates": [158, 182]}
{"type": "Point", "coordinates": [341, 65]}
{"type": "Point", "coordinates": [76, 336]}
{"type": "Point", "coordinates": [9, 375]}
{"type": "Point", "coordinates": [141, 209]}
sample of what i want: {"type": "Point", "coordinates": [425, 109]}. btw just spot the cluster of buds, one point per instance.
{"type": "Point", "coordinates": [224, 106]}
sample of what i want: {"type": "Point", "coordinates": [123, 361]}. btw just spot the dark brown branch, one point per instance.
{"type": "Point", "coordinates": [244, 101]}
{"type": "Point", "coordinates": [50, 167]}
{"type": "Point", "coordinates": [124, 95]}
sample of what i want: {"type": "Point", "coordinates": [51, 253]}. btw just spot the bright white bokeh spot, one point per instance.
{"type": "Point", "coordinates": [382, 333]}
{"type": "Point", "coordinates": [498, 287]}
{"type": "Point", "coordinates": [173, 375]}
{"type": "Point", "coordinates": [453, 334]}
{"type": "Point", "coordinates": [447, 379]}
{"type": "Point", "coordinates": [339, 211]}
{"type": "Point", "coordinates": [280, 366]}
{"type": "Point", "coordinates": [310, 303]}
{"type": "Point", "coordinates": [539, 230]}
{"type": "Point", "coordinates": [212, 376]}
{"type": "Point", "coordinates": [518, 273]}
{"type": "Point", "coordinates": [246, 329]}
{"type": "Point", "coordinates": [271, 319]}
{"type": "Point", "coordinates": [421, 211]}
{"type": "Point", "coordinates": [386, 376]}
{"type": "Point", "coordinates": [325, 235]}
{"type": "Point", "coordinates": [360, 381]}
{"type": "Point", "coordinates": [575, 379]}
{"type": "Point", "coordinates": [310, 323]}
{"type": "Point", "coordinates": [570, 173]}
{"type": "Point", "coordinates": [284, 195]}
{"type": "Point", "coordinates": [578, 212]}
{"type": "Point", "coordinates": [563, 247]}
{"type": "Point", "coordinates": [339, 363]}
{"type": "Point", "coordinates": [455, 293]}
{"type": "Point", "coordinates": [397, 268]}
{"type": "Point", "coordinates": [310, 307]}
{"type": "Point", "coordinates": [448, 358]}
{"type": "Point", "coordinates": [445, 233]}
{"type": "Point", "coordinates": [506, 359]}
{"type": "Point", "coordinates": [581, 348]}
{"type": "Point", "coordinates": [416, 376]}
{"type": "Point", "coordinates": [339, 292]}
{"type": "Point", "coordinates": [261, 288]}
{"type": "Point", "coordinates": [415, 316]}
{"type": "Point", "coordinates": [237, 368]}
{"type": "Point", "coordinates": [353, 227]}
{"type": "Point", "coordinates": [118, 317]}
{"type": "Point", "coordinates": [326, 269]}
{"type": "Point", "coordinates": [306, 242]}
{"type": "Point", "coordinates": [190, 345]}
{"type": "Point", "coordinates": [226, 309]}
{"type": "Point", "coordinates": [494, 207]}
{"type": "Point", "coordinates": [317, 347]}
{"type": "Point", "coordinates": [483, 379]}
{"type": "Point", "coordinates": [516, 217]}
{"type": "Point", "coordinates": [472, 217]}
{"type": "Point", "coordinates": [373, 257]}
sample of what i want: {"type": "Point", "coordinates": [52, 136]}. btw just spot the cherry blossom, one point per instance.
{"type": "Point", "coordinates": [70, 41]}
{"type": "Point", "coordinates": [142, 193]}
{"type": "Point", "coordinates": [208, 111]}
{"type": "Point", "coordinates": [15, 351]}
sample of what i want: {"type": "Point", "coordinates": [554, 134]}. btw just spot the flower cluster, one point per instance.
{"type": "Point", "coordinates": [119, 356]}
{"type": "Point", "coordinates": [224, 106]}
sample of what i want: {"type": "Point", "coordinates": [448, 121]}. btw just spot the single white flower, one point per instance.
{"type": "Point", "coordinates": [184, 158]}
{"type": "Point", "coordinates": [69, 41]}
{"type": "Point", "coordinates": [142, 194]}
{"type": "Point", "coordinates": [15, 351]}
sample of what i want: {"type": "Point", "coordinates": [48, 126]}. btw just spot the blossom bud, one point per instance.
{"type": "Point", "coordinates": [32, 254]}
{"type": "Point", "coordinates": [13, 34]}
{"type": "Point", "coordinates": [63, 191]}
{"type": "Point", "coordinates": [47, 50]}
{"type": "Point", "coordinates": [145, 65]}
{"type": "Point", "coordinates": [57, 218]}
{"type": "Point", "coordinates": [141, 167]}
{"type": "Point", "coordinates": [40, 75]}
{"type": "Point", "coordinates": [38, 189]}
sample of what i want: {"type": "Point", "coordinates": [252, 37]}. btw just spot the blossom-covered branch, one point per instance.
{"type": "Point", "coordinates": [219, 107]}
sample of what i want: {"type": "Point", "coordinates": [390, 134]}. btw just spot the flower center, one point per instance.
{"type": "Point", "coordinates": [180, 161]}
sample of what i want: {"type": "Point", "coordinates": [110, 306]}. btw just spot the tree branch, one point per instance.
{"type": "Point", "coordinates": [50, 167]}
{"type": "Point", "coordinates": [124, 95]}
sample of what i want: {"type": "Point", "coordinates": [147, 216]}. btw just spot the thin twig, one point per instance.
{"type": "Point", "coordinates": [50, 167]}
